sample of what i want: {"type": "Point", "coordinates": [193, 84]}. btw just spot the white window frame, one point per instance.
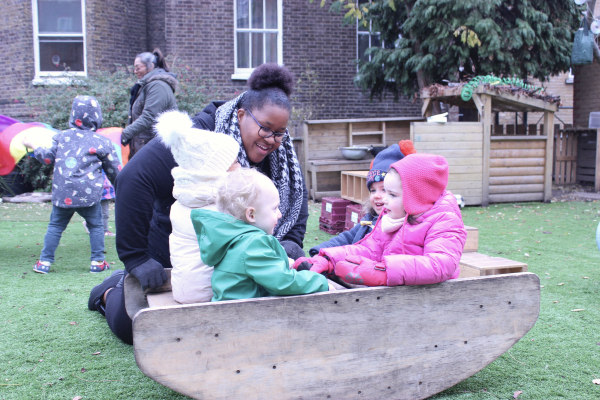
{"type": "Point", "coordinates": [368, 33]}
{"type": "Point", "coordinates": [56, 77]}
{"type": "Point", "coordinates": [244, 73]}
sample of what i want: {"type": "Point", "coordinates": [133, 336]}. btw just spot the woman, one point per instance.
{"type": "Point", "coordinates": [153, 93]}
{"type": "Point", "coordinates": [257, 119]}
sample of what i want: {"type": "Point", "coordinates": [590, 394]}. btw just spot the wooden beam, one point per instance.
{"type": "Point", "coordinates": [549, 133]}
{"type": "Point", "coordinates": [486, 119]}
{"type": "Point", "coordinates": [479, 104]}
{"type": "Point", "coordinates": [426, 108]}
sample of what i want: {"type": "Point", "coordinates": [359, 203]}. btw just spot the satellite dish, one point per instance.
{"type": "Point", "coordinates": [595, 27]}
{"type": "Point", "coordinates": [580, 2]}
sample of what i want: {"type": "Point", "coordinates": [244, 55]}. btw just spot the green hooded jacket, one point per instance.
{"type": "Point", "coordinates": [248, 262]}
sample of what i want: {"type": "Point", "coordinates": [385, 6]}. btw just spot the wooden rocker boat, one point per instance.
{"type": "Point", "coordinates": [404, 342]}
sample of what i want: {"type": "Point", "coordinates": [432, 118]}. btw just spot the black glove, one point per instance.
{"type": "Point", "coordinates": [292, 249]}
{"type": "Point", "coordinates": [150, 274]}
{"type": "Point", "coordinates": [304, 266]}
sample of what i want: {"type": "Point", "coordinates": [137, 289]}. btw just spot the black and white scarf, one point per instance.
{"type": "Point", "coordinates": [283, 162]}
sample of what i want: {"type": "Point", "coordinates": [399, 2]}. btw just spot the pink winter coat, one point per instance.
{"type": "Point", "coordinates": [424, 253]}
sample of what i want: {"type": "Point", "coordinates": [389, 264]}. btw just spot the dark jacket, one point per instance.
{"type": "Point", "coordinates": [348, 237]}
{"type": "Point", "coordinates": [155, 95]}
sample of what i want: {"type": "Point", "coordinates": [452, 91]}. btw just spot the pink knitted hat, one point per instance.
{"type": "Point", "coordinates": [424, 178]}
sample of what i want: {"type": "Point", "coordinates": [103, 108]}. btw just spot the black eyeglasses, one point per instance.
{"type": "Point", "coordinates": [277, 136]}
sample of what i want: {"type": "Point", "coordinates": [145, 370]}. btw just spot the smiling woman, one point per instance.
{"type": "Point", "coordinates": [257, 120]}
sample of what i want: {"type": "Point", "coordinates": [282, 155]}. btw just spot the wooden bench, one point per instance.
{"type": "Point", "coordinates": [478, 264]}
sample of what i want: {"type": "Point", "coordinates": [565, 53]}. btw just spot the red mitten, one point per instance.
{"type": "Point", "coordinates": [300, 261]}
{"type": "Point", "coordinates": [361, 271]}
{"type": "Point", "coordinates": [321, 264]}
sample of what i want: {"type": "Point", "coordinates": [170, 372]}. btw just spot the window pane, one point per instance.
{"type": "Point", "coordinates": [242, 14]}
{"type": "Point", "coordinates": [243, 50]}
{"type": "Point", "coordinates": [375, 40]}
{"type": "Point", "coordinates": [257, 49]}
{"type": "Point", "coordinates": [61, 54]}
{"type": "Point", "coordinates": [59, 16]}
{"type": "Point", "coordinates": [257, 14]}
{"type": "Point", "coordinates": [271, 14]}
{"type": "Point", "coordinates": [271, 47]}
{"type": "Point", "coordinates": [363, 45]}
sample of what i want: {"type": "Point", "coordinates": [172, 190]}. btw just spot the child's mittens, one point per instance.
{"type": "Point", "coordinates": [302, 264]}
{"type": "Point", "coordinates": [318, 264]}
{"type": "Point", "coordinates": [361, 271]}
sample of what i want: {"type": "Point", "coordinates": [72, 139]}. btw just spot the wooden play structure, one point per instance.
{"type": "Point", "coordinates": [319, 142]}
{"type": "Point", "coordinates": [404, 342]}
{"type": "Point", "coordinates": [487, 168]}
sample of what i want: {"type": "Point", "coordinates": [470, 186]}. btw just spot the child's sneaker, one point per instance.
{"type": "Point", "coordinates": [43, 267]}
{"type": "Point", "coordinates": [99, 266]}
{"type": "Point", "coordinates": [109, 233]}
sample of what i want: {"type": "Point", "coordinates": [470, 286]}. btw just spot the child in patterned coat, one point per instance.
{"type": "Point", "coordinates": [79, 156]}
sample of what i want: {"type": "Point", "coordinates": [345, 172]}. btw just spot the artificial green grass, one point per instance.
{"type": "Point", "coordinates": [53, 347]}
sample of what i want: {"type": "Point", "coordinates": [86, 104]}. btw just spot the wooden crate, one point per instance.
{"type": "Point", "coordinates": [472, 242]}
{"type": "Point", "coordinates": [354, 213]}
{"type": "Point", "coordinates": [477, 264]}
{"type": "Point", "coordinates": [354, 186]}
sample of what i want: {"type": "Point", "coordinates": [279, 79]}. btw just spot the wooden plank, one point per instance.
{"type": "Point", "coordinates": [354, 120]}
{"type": "Point", "coordinates": [422, 146]}
{"type": "Point", "coordinates": [516, 197]}
{"type": "Point", "coordinates": [405, 342]}
{"type": "Point", "coordinates": [521, 188]}
{"type": "Point", "coordinates": [523, 179]}
{"type": "Point", "coordinates": [477, 264]}
{"type": "Point", "coordinates": [486, 119]}
{"type": "Point", "coordinates": [549, 132]}
{"type": "Point", "coordinates": [472, 242]}
{"type": "Point", "coordinates": [517, 162]}
{"type": "Point", "coordinates": [517, 171]}
{"type": "Point", "coordinates": [516, 152]}
{"type": "Point", "coordinates": [509, 140]}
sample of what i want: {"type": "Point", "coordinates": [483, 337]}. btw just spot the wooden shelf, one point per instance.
{"type": "Point", "coordinates": [354, 186]}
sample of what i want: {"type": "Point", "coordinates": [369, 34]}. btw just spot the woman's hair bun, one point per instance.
{"type": "Point", "coordinates": [272, 75]}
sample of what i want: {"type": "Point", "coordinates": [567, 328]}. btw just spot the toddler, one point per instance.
{"type": "Point", "coordinates": [238, 241]}
{"type": "Point", "coordinates": [418, 240]}
{"type": "Point", "coordinates": [203, 158]}
{"type": "Point", "coordinates": [374, 205]}
{"type": "Point", "coordinates": [79, 156]}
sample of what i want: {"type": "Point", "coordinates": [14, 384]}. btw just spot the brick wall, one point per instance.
{"type": "Point", "coordinates": [16, 47]}
{"type": "Point", "coordinates": [199, 34]}
{"type": "Point", "coordinates": [587, 97]}
{"type": "Point", "coordinates": [313, 38]}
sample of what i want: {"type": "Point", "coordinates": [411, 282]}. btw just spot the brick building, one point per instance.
{"type": "Point", "coordinates": [222, 40]}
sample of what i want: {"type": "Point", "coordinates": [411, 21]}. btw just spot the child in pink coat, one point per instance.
{"type": "Point", "coordinates": [418, 239]}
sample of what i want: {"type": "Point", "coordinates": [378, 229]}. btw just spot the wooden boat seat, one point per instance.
{"type": "Point", "coordinates": [404, 342]}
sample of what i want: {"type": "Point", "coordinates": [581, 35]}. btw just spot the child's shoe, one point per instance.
{"type": "Point", "coordinates": [43, 267]}
{"type": "Point", "coordinates": [109, 233]}
{"type": "Point", "coordinates": [99, 266]}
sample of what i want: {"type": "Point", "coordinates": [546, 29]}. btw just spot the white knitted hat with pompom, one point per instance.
{"type": "Point", "coordinates": [203, 157]}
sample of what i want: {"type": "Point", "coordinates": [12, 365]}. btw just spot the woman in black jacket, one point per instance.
{"type": "Point", "coordinates": [258, 119]}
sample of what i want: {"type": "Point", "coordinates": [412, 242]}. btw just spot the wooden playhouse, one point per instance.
{"type": "Point", "coordinates": [487, 168]}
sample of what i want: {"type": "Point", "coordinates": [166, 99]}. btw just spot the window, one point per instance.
{"type": "Point", "coordinates": [258, 38]}
{"type": "Point", "coordinates": [366, 38]}
{"type": "Point", "coordinates": [59, 38]}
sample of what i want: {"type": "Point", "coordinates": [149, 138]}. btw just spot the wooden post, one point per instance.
{"type": "Point", "coordinates": [486, 118]}
{"type": "Point", "coordinates": [597, 174]}
{"type": "Point", "coordinates": [548, 132]}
